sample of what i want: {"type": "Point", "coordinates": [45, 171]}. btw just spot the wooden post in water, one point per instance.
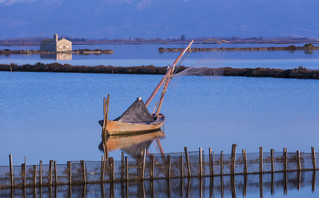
{"type": "Point", "coordinates": [314, 174]}
{"type": "Point", "coordinates": [285, 159]}
{"type": "Point", "coordinates": [122, 166]}
{"type": "Point", "coordinates": [233, 186]}
{"type": "Point", "coordinates": [233, 159]}
{"type": "Point", "coordinates": [11, 171]}
{"type": "Point", "coordinates": [34, 175]}
{"type": "Point", "coordinates": [102, 169]}
{"type": "Point", "coordinates": [261, 186]}
{"type": "Point", "coordinates": [55, 173]}
{"type": "Point", "coordinates": [260, 160]}
{"type": "Point", "coordinates": [50, 171]}
{"type": "Point", "coordinates": [298, 170]}
{"type": "Point", "coordinates": [272, 183]}
{"type": "Point", "coordinates": [23, 171]}
{"type": "Point", "coordinates": [181, 165]}
{"type": "Point", "coordinates": [314, 165]}
{"type": "Point", "coordinates": [245, 185]}
{"type": "Point", "coordinates": [152, 167]}
{"type": "Point", "coordinates": [298, 180]}
{"type": "Point", "coordinates": [200, 162]}
{"type": "Point", "coordinates": [285, 183]}
{"type": "Point", "coordinates": [221, 164]}
{"type": "Point", "coordinates": [272, 162]}
{"type": "Point", "coordinates": [245, 162]}
{"type": "Point", "coordinates": [69, 172]}
{"type": "Point", "coordinates": [188, 162]}
{"type": "Point", "coordinates": [40, 173]}
{"type": "Point", "coordinates": [168, 166]}
{"type": "Point", "coordinates": [213, 164]}
{"type": "Point", "coordinates": [210, 161]}
{"type": "Point", "coordinates": [298, 161]}
{"type": "Point", "coordinates": [112, 165]}
{"type": "Point", "coordinates": [126, 169]}
{"type": "Point", "coordinates": [34, 191]}
{"type": "Point", "coordinates": [143, 165]}
{"type": "Point", "coordinates": [188, 187]}
{"type": "Point", "coordinates": [83, 171]}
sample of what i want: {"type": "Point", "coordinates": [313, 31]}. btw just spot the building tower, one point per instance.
{"type": "Point", "coordinates": [56, 37]}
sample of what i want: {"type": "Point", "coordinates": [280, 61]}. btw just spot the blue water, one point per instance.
{"type": "Point", "coordinates": [54, 115]}
{"type": "Point", "coordinates": [195, 187]}
{"type": "Point", "coordinates": [136, 55]}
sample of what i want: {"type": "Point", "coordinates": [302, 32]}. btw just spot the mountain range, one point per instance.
{"type": "Point", "coordinates": [159, 18]}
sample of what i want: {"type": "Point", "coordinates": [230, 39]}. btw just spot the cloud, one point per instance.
{"type": "Point", "coordinates": [43, 2]}
{"type": "Point", "coordinates": [11, 2]}
{"type": "Point", "coordinates": [118, 1]}
{"type": "Point", "coordinates": [144, 4]}
{"type": "Point", "coordinates": [12, 23]}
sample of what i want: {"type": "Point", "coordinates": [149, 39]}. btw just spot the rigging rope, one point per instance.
{"type": "Point", "coordinates": [181, 61]}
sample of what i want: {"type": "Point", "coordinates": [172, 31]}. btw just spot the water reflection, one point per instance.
{"type": "Point", "coordinates": [135, 144]}
{"type": "Point", "coordinates": [277, 185]}
{"type": "Point", "coordinates": [57, 56]}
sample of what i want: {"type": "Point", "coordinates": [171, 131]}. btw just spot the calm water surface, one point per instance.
{"type": "Point", "coordinates": [136, 55]}
{"type": "Point", "coordinates": [54, 115]}
{"type": "Point", "coordinates": [206, 187]}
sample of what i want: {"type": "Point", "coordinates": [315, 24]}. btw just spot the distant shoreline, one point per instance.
{"type": "Point", "coordinates": [297, 73]}
{"type": "Point", "coordinates": [289, 48]}
{"type": "Point", "coordinates": [8, 52]}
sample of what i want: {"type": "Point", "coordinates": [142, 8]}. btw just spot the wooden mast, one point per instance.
{"type": "Point", "coordinates": [167, 74]}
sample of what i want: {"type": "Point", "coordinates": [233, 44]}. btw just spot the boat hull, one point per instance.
{"type": "Point", "coordinates": [119, 128]}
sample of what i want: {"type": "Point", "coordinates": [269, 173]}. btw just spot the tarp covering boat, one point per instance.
{"type": "Point", "coordinates": [136, 113]}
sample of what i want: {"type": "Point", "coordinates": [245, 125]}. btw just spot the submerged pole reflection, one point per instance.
{"type": "Point", "coordinates": [228, 186]}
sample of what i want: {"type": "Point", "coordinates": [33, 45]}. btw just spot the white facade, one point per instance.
{"type": "Point", "coordinates": [56, 45]}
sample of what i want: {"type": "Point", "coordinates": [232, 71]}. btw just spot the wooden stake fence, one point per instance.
{"type": "Point", "coordinates": [173, 165]}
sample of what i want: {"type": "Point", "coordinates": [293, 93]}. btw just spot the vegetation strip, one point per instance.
{"type": "Point", "coordinates": [307, 47]}
{"type": "Point", "coordinates": [8, 52]}
{"type": "Point", "coordinates": [300, 72]}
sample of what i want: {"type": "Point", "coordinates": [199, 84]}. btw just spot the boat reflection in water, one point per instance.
{"type": "Point", "coordinates": [133, 144]}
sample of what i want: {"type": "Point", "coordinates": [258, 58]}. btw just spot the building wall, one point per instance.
{"type": "Point", "coordinates": [48, 46]}
{"type": "Point", "coordinates": [56, 45]}
{"type": "Point", "coordinates": [64, 45]}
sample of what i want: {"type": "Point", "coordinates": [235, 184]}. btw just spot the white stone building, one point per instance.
{"type": "Point", "coordinates": [56, 45]}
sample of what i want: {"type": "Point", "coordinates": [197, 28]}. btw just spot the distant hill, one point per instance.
{"type": "Point", "coordinates": [114, 19]}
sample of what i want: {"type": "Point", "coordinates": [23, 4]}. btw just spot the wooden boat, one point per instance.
{"type": "Point", "coordinates": [137, 118]}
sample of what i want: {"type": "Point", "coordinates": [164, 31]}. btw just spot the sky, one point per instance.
{"type": "Point", "coordinates": [111, 19]}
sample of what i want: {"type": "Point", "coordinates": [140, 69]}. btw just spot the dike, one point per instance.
{"type": "Point", "coordinates": [298, 73]}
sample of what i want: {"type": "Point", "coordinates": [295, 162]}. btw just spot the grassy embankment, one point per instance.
{"type": "Point", "coordinates": [8, 52]}
{"type": "Point", "coordinates": [306, 47]}
{"type": "Point", "coordinates": [300, 72]}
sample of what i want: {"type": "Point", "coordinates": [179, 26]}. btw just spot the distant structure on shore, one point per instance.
{"type": "Point", "coordinates": [56, 45]}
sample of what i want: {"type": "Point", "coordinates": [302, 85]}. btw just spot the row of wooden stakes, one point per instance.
{"type": "Point", "coordinates": [108, 171]}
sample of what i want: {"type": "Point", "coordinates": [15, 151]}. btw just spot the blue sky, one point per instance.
{"type": "Point", "coordinates": [159, 18]}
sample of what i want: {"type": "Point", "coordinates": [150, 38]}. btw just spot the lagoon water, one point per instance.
{"type": "Point", "coordinates": [53, 116]}
{"type": "Point", "coordinates": [137, 55]}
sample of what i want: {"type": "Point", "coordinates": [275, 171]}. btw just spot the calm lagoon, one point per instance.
{"type": "Point", "coordinates": [147, 54]}
{"type": "Point", "coordinates": [53, 116]}
{"type": "Point", "coordinates": [48, 116]}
